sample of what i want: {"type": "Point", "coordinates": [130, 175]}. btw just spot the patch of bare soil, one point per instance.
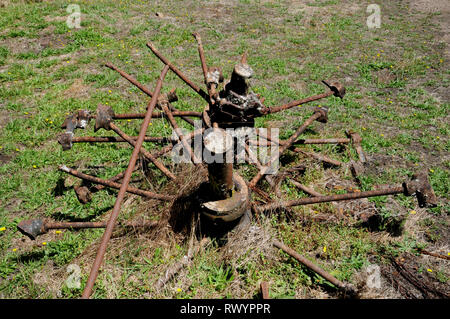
{"type": "Point", "coordinates": [77, 90]}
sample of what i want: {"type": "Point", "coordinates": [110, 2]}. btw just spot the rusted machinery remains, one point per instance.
{"type": "Point", "coordinates": [227, 202]}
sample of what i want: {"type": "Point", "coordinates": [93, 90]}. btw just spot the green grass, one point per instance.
{"type": "Point", "coordinates": [48, 70]}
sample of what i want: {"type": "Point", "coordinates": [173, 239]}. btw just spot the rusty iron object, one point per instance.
{"type": "Point", "coordinates": [123, 188]}
{"type": "Point", "coordinates": [419, 186]}
{"type": "Point", "coordinates": [348, 288]}
{"type": "Point", "coordinates": [36, 227]}
{"type": "Point", "coordinates": [227, 199]}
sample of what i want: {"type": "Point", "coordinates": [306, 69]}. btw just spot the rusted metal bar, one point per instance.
{"type": "Point", "coordinates": [331, 198]}
{"type": "Point", "coordinates": [305, 189]}
{"type": "Point", "coordinates": [202, 58]}
{"type": "Point", "coordinates": [264, 286]}
{"type": "Point", "coordinates": [429, 253]}
{"type": "Point", "coordinates": [270, 110]}
{"type": "Point", "coordinates": [115, 213]}
{"type": "Point", "coordinates": [323, 141]}
{"type": "Point", "coordinates": [320, 114]}
{"type": "Point", "coordinates": [147, 154]}
{"type": "Point", "coordinates": [172, 96]}
{"type": "Point", "coordinates": [128, 116]}
{"type": "Point", "coordinates": [319, 157]}
{"type": "Point", "coordinates": [36, 227]}
{"type": "Point", "coordinates": [164, 105]}
{"type": "Point", "coordinates": [336, 89]}
{"type": "Point", "coordinates": [115, 139]}
{"type": "Point", "coordinates": [255, 160]}
{"type": "Point", "coordinates": [183, 77]}
{"type": "Point", "coordinates": [111, 184]}
{"type": "Point", "coordinates": [339, 284]}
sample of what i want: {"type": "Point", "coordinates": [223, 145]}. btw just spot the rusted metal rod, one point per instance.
{"type": "Point", "coordinates": [111, 184]}
{"type": "Point", "coordinates": [146, 154]}
{"type": "Point", "coordinates": [36, 227]}
{"type": "Point", "coordinates": [164, 105]}
{"type": "Point", "coordinates": [183, 77]}
{"type": "Point", "coordinates": [201, 53]}
{"type": "Point", "coordinates": [123, 188]}
{"type": "Point", "coordinates": [171, 96]}
{"type": "Point", "coordinates": [346, 287]}
{"type": "Point", "coordinates": [331, 198]}
{"type": "Point", "coordinates": [429, 253]}
{"type": "Point", "coordinates": [319, 157]}
{"type": "Point", "coordinates": [115, 139]}
{"type": "Point", "coordinates": [270, 110]}
{"type": "Point", "coordinates": [129, 116]}
{"type": "Point", "coordinates": [323, 141]}
{"type": "Point", "coordinates": [305, 189]}
{"type": "Point", "coordinates": [319, 114]}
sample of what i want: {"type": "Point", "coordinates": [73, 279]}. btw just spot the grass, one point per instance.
{"type": "Point", "coordinates": [48, 70]}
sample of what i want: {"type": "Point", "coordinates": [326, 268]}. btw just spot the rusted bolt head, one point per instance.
{"type": "Point", "coordinates": [83, 194]}
{"type": "Point", "coordinates": [337, 88]}
{"type": "Point", "coordinates": [65, 140]}
{"type": "Point", "coordinates": [242, 69]}
{"type": "Point", "coordinates": [420, 186]}
{"type": "Point", "coordinates": [323, 114]}
{"type": "Point", "coordinates": [355, 137]}
{"type": "Point", "coordinates": [32, 228]}
{"type": "Point", "coordinates": [104, 116]}
{"type": "Point", "coordinates": [83, 117]}
{"type": "Point", "coordinates": [172, 96]}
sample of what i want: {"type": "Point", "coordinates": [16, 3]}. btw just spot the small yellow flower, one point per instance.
{"type": "Point", "coordinates": [67, 61]}
{"type": "Point", "coordinates": [437, 137]}
{"type": "Point", "coordinates": [324, 249]}
{"type": "Point", "coordinates": [46, 120]}
{"type": "Point", "coordinates": [315, 212]}
{"type": "Point", "coordinates": [441, 60]}
{"type": "Point", "coordinates": [26, 113]}
{"type": "Point", "coordinates": [109, 91]}
{"type": "Point", "coordinates": [119, 55]}
{"type": "Point", "coordinates": [128, 120]}
{"type": "Point", "coordinates": [58, 232]}
{"type": "Point", "coordinates": [412, 212]}
{"type": "Point", "coordinates": [51, 122]}
{"type": "Point", "coordinates": [364, 128]}
{"type": "Point", "coordinates": [378, 55]}
{"type": "Point", "coordinates": [17, 150]}
{"type": "Point", "coordinates": [429, 270]}
{"type": "Point", "coordinates": [179, 290]}
{"type": "Point", "coordinates": [381, 134]}
{"type": "Point", "coordinates": [14, 249]}
{"type": "Point", "coordinates": [150, 123]}
{"type": "Point", "coordinates": [431, 170]}
{"type": "Point", "coordinates": [44, 243]}
{"type": "Point", "coordinates": [448, 254]}
{"type": "Point", "coordinates": [34, 166]}
{"type": "Point", "coordinates": [2, 228]}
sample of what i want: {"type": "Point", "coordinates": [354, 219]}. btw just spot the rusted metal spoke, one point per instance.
{"type": "Point", "coordinates": [270, 110]}
{"type": "Point", "coordinates": [112, 184]}
{"type": "Point", "coordinates": [331, 198]}
{"type": "Point", "coordinates": [146, 154]}
{"type": "Point", "coordinates": [115, 213]}
{"type": "Point", "coordinates": [183, 77]}
{"type": "Point", "coordinates": [346, 287]}
{"type": "Point", "coordinates": [318, 114]}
